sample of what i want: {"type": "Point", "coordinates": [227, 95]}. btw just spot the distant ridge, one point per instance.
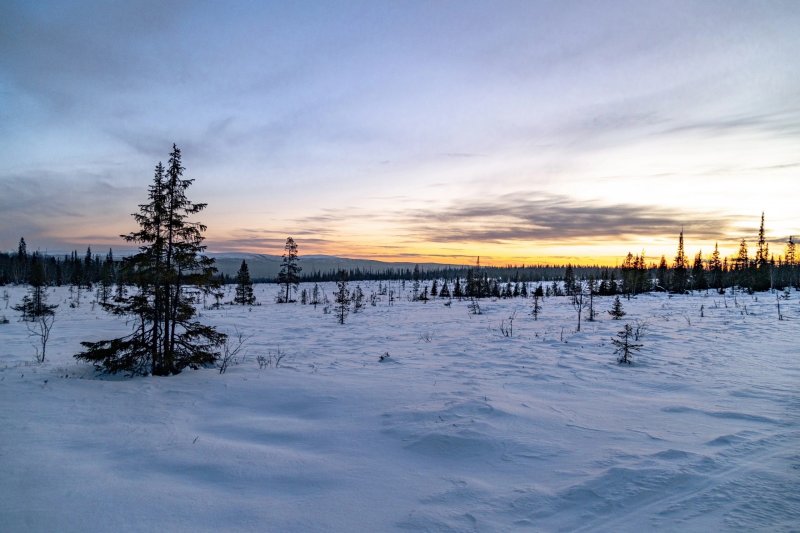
{"type": "Point", "coordinates": [267, 266]}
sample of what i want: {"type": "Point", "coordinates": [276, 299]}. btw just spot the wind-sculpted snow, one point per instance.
{"type": "Point", "coordinates": [460, 429]}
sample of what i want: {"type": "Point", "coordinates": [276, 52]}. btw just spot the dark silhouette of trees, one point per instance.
{"type": "Point", "coordinates": [244, 286]}
{"type": "Point", "coordinates": [289, 275]}
{"type": "Point", "coordinates": [569, 281]}
{"type": "Point", "coordinates": [444, 292]}
{"type": "Point", "coordinates": [662, 276]}
{"type": "Point", "coordinates": [624, 346]}
{"type": "Point", "coordinates": [680, 270]}
{"type": "Point", "coordinates": [761, 276]}
{"type": "Point", "coordinates": [699, 279]}
{"type": "Point", "coordinates": [715, 270]}
{"type": "Point", "coordinates": [536, 308]}
{"type": "Point", "coordinates": [34, 304]}
{"type": "Point", "coordinates": [741, 267]}
{"type": "Point", "coordinates": [457, 292]}
{"type": "Point", "coordinates": [165, 339]}
{"type": "Point", "coordinates": [792, 277]}
{"type": "Point", "coordinates": [342, 298]}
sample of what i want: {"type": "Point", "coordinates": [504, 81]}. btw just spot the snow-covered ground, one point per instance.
{"type": "Point", "coordinates": [460, 429]}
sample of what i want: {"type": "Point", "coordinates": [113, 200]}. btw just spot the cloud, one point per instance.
{"type": "Point", "coordinates": [555, 219]}
{"type": "Point", "coordinates": [784, 123]}
{"type": "Point", "coordinates": [38, 205]}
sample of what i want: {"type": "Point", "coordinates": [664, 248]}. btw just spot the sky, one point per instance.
{"type": "Point", "coordinates": [520, 132]}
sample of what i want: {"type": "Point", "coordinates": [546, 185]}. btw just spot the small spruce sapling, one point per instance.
{"type": "Point", "coordinates": [616, 310]}
{"type": "Point", "coordinates": [358, 299]}
{"type": "Point", "coordinates": [315, 301]}
{"type": "Point", "coordinates": [624, 347]}
{"type": "Point", "coordinates": [473, 308]}
{"type": "Point", "coordinates": [537, 307]}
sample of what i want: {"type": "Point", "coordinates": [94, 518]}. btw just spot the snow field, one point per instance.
{"type": "Point", "coordinates": [460, 429]}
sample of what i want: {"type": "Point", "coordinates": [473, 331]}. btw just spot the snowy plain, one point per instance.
{"type": "Point", "coordinates": [460, 429]}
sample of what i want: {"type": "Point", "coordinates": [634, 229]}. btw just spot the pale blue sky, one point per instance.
{"type": "Point", "coordinates": [389, 129]}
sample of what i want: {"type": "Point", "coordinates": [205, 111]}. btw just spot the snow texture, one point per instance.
{"type": "Point", "coordinates": [460, 429]}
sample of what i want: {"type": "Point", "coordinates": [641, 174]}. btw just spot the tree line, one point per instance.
{"type": "Point", "coordinates": [759, 272]}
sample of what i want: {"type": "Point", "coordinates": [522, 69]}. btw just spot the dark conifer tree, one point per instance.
{"type": "Point", "coordinates": [357, 299]}
{"type": "Point", "coordinates": [244, 286]}
{"type": "Point", "coordinates": [20, 268]}
{"type": "Point", "coordinates": [315, 296]}
{"type": "Point", "coordinates": [457, 292]}
{"type": "Point", "coordinates": [494, 289]}
{"type": "Point", "coordinates": [508, 292]}
{"type": "Point", "coordinates": [165, 339]}
{"type": "Point", "coordinates": [663, 279]}
{"type": "Point", "coordinates": [699, 280]}
{"type": "Point", "coordinates": [715, 269]}
{"type": "Point", "coordinates": [569, 280]}
{"type": "Point", "coordinates": [445, 290]}
{"type": "Point", "coordinates": [762, 272]}
{"type": "Point", "coordinates": [434, 289]}
{"type": "Point", "coordinates": [289, 275]}
{"type": "Point", "coordinates": [423, 296]}
{"type": "Point", "coordinates": [628, 276]}
{"type": "Point", "coordinates": [342, 298]}
{"type": "Point", "coordinates": [472, 286]}
{"type": "Point", "coordinates": [790, 262]}
{"type": "Point", "coordinates": [616, 310]}
{"type": "Point", "coordinates": [106, 279]}
{"type": "Point", "coordinates": [741, 267]}
{"type": "Point", "coordinates": [623, 345]}
{"type": "Point", "coordinates": [34, 304]}
{"type": "Point", "coordinates": [88, 269]}
{"type": "Point", "coordinates": [537, 307]}
{"type": "Point", "coordinates": [680, 270]}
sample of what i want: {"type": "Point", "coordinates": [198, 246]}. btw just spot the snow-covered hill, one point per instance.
{"type": "Point", "coordinates": [460, 429]}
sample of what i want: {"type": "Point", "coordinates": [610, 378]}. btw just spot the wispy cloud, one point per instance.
{"type": "Point", "coordinates": [556, 219]}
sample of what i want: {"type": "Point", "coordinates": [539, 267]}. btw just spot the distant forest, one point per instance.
{"type": "Point", "coordinates": [762, 271]}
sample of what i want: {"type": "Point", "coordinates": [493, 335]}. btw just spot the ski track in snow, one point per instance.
{"type": "Point", "coordinates": [461, 429]}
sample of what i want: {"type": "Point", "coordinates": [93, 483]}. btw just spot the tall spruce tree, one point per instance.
{"type": "Point", "coordinates": [761, 275]}
{"type": "Point", "coordinates": [165, 339]}
{"type": "Point", "coordinates": [715, 267]}
{"type": "Point", "coordinates": [289, 275]}
{"type": "Point", "coordinates": [244, 286]}
{"type": "Point", "coordinates": [20, 269]}
{"type": "Point", "coordinates": [680, 270]}
{"type": "Point", "coordinates": [790, 262]}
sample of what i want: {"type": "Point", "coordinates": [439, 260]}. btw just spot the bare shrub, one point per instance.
{"type": "Point", "coordinates": [39, 328]}
{"type": "Point", "coordinates": [640, 328]}
{"type": "Point", "coordinates": [230, 350]}
{"type": "Point", "coordinates": [271, 360]}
